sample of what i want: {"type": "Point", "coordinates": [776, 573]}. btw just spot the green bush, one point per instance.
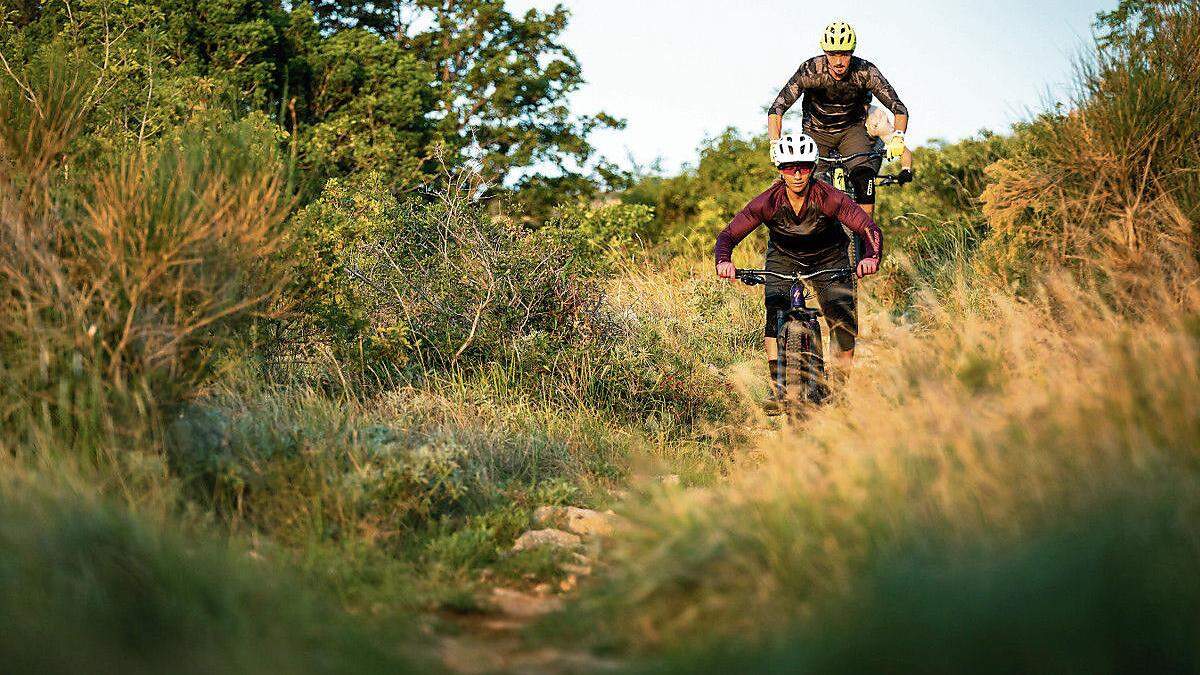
{"type": "Point", "coordinates": [437, 283]}
{"type": "Point", "coordinates": [613, 227]}
{"type": "Point", "coordinates": [692, 207]}
{"type": "Point", "coordinates": [119, 284]}
{"type": "Point", "coordinates": [303, 468]}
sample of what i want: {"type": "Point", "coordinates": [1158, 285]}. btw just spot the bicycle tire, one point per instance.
{"type": "Point", "coordinates": [802, 363]}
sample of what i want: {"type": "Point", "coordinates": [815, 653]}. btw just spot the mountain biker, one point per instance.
{"type": "Point", "coordinates": [802, 216]}
{"type": "Point", "coordinates": [879, 127]}
{"type": "Point", "coordinates": [836, 87]}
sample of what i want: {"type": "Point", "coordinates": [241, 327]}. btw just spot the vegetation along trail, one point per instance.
{"type": "Point", "coordinates": [241, 434]}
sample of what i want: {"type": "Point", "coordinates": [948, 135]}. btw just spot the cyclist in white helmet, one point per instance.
{"type": "Point", "coordinates": [804, 218]}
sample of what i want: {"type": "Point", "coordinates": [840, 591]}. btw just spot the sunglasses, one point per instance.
{"type": "Point", "coordinates": [800, 168]}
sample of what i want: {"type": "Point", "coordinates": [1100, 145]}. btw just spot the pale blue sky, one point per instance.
{"type": "Point", "coordinates": [678, 71]}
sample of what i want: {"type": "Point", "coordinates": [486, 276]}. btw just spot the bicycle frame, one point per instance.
{"type": "Point", "coordinates": [809, 346]}
{"type": "Point", "coordinates": [836, 169]}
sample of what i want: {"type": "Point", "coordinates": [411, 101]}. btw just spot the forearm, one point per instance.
{"type": "Point", "coordinates": [902, 123]}
{"type": "Point", "coordinates": [906, 160]}
{"type": "Point", "coordinates": [774, 126]}
{"type": "Point", "coordinates": [738, 229]}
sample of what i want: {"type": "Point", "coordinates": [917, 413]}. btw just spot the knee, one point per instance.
{"type": "Point", "coordinates": [863, 180]}
{"type": "Point", "coordinates": [776, 305]}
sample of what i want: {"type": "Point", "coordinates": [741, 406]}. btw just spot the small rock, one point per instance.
{"type": "Point", "coordinates": [523, 605]}
{"type": "Point", "coordinates": [580, 566]}
{"type": "Point", "coordinates": [547, 515]}
{"type": "Point", "coordinates": [577, 570]}
{"type": "Point", "coordinates": [588, 522]}
{"type": "Point", "coordinates": [543, 589]}
{"type": "Point", "coordinates": [548, 537]}
{"type": "Point", "coordinates": [670, 480]}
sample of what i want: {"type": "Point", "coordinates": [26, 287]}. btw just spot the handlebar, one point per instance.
{"type": "Point", "coordinates": [759, 277]}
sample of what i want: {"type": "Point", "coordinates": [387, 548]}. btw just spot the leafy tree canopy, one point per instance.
{"type": "Point", "coordinates": [395, 87]}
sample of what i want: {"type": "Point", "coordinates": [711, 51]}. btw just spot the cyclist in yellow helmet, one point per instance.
{"type": "Point", "coordinates": [837, 88]}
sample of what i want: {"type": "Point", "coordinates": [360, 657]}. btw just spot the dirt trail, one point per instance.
{"type": "Point", "coordinates": [498, 640]}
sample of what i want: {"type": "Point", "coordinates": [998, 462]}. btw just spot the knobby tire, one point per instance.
{"type": "Point", "coordinates": [802, 365]}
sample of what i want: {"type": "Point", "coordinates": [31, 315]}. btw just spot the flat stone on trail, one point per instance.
{"type": "Point", "coordinates": [547, 515]}
{"type": "Point", "coordinates": [589, 522]}
{"type": "Point", "coordinates": [548, 537]}
{"type": "Point", "coordinates": [524, 605]}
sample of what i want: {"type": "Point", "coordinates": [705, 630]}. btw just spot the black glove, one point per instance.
{"type": "Point", "coordinates": [905, 176]}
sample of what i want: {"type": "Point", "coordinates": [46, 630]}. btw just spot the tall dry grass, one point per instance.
{"type": "Point", "coordinates": [1067, 412]}
{"type": "Point", "coordinates": [1111, 190]}
{"type": "Point", "coordinates": [119, 283]}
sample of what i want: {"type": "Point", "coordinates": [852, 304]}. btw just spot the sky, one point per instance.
{"type": "Point", "coordinates": [680, 71]}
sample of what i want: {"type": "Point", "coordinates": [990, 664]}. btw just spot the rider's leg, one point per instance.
{"type": "Point", "coordinates": [775, 306]}
{"type": "Point", "coordinates": [860, 171]}
{"type": "Point", "coordinates": [838, 305]}
{"type": "Point", "coordinates": [776, 300]}
{"type": "Point", "coordinates": [826, 142]}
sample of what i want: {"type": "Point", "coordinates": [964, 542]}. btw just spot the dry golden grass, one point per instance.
{"type": "Point", "coordinates": [118, 283]}
{"type": "Point", "coordinates": [998, 417]}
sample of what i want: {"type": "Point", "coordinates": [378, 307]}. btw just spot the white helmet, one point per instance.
{"type": "Point", "coordinates": [794, 148]}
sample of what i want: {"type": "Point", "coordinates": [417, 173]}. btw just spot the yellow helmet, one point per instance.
{"type": "Point", "coordinates": [839, 37]}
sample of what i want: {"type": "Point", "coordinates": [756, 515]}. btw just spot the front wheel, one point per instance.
{"type": "Point", "coordinates": [802, 363]}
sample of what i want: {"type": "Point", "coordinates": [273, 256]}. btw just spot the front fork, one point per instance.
{"type": "Point", "coordinates": [808, 316]}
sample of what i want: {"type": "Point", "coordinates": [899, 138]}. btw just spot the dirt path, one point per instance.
{"type": "Point", "coordinates": [497, 640]}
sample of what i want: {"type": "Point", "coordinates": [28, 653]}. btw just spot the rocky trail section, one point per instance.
{"type": "Point", "coordinates": [494, 641]}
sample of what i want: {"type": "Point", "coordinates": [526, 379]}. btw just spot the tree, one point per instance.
{"type": "Point", "coordinates": [501, 81]}
{"type": "Point", "coordinates": [344, 102]}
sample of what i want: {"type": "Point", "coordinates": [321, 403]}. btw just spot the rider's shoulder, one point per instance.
{"type": "Point", "coordinates": [768, 200]}
{"type": "Point", "coordinates": [814, 65]}
{"type": "Point", "coordinates": [824, 192]}
{"type": "Point", "coordinates": [768, 196]}
{"type": "Point", "coordinates": [858, 63]}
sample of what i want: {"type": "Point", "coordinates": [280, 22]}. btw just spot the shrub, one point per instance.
{"type": "Point", "coordinates": [437, 282]}
{"type": "Point", "coordinates": [1110, 189]}
{"type": "Point", "coordinates": [118, 284]}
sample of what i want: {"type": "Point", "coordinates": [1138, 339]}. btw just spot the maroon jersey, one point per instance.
{"type": "Point", "coordinates": [812, 234]}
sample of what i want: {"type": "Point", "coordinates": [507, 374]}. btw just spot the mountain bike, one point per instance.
{"type": "Point", "coordinates": [835, 173]}
{"type": "Point", "coordinates": [801, 377]}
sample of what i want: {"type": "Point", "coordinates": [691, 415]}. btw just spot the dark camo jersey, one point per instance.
{"type": "Point", "coordinates": [835, 105]}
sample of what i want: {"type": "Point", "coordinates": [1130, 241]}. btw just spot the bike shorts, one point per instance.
{"type": "Point", "coordinates": [835, 297]}
{"type": "Point", "coordinates": [847, 142]}
{"type": "Point", "coordinates": [860, 171]}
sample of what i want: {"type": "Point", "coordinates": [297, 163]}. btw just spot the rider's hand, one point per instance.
{"type": "Point", "coordinates": [905, 176]}
{"type": "Point", "coordinates": [895, 145]}
{"type": "Point", "coordinates": [726, 270]}
{"type": "Point", "coordinates": [867, 267]}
